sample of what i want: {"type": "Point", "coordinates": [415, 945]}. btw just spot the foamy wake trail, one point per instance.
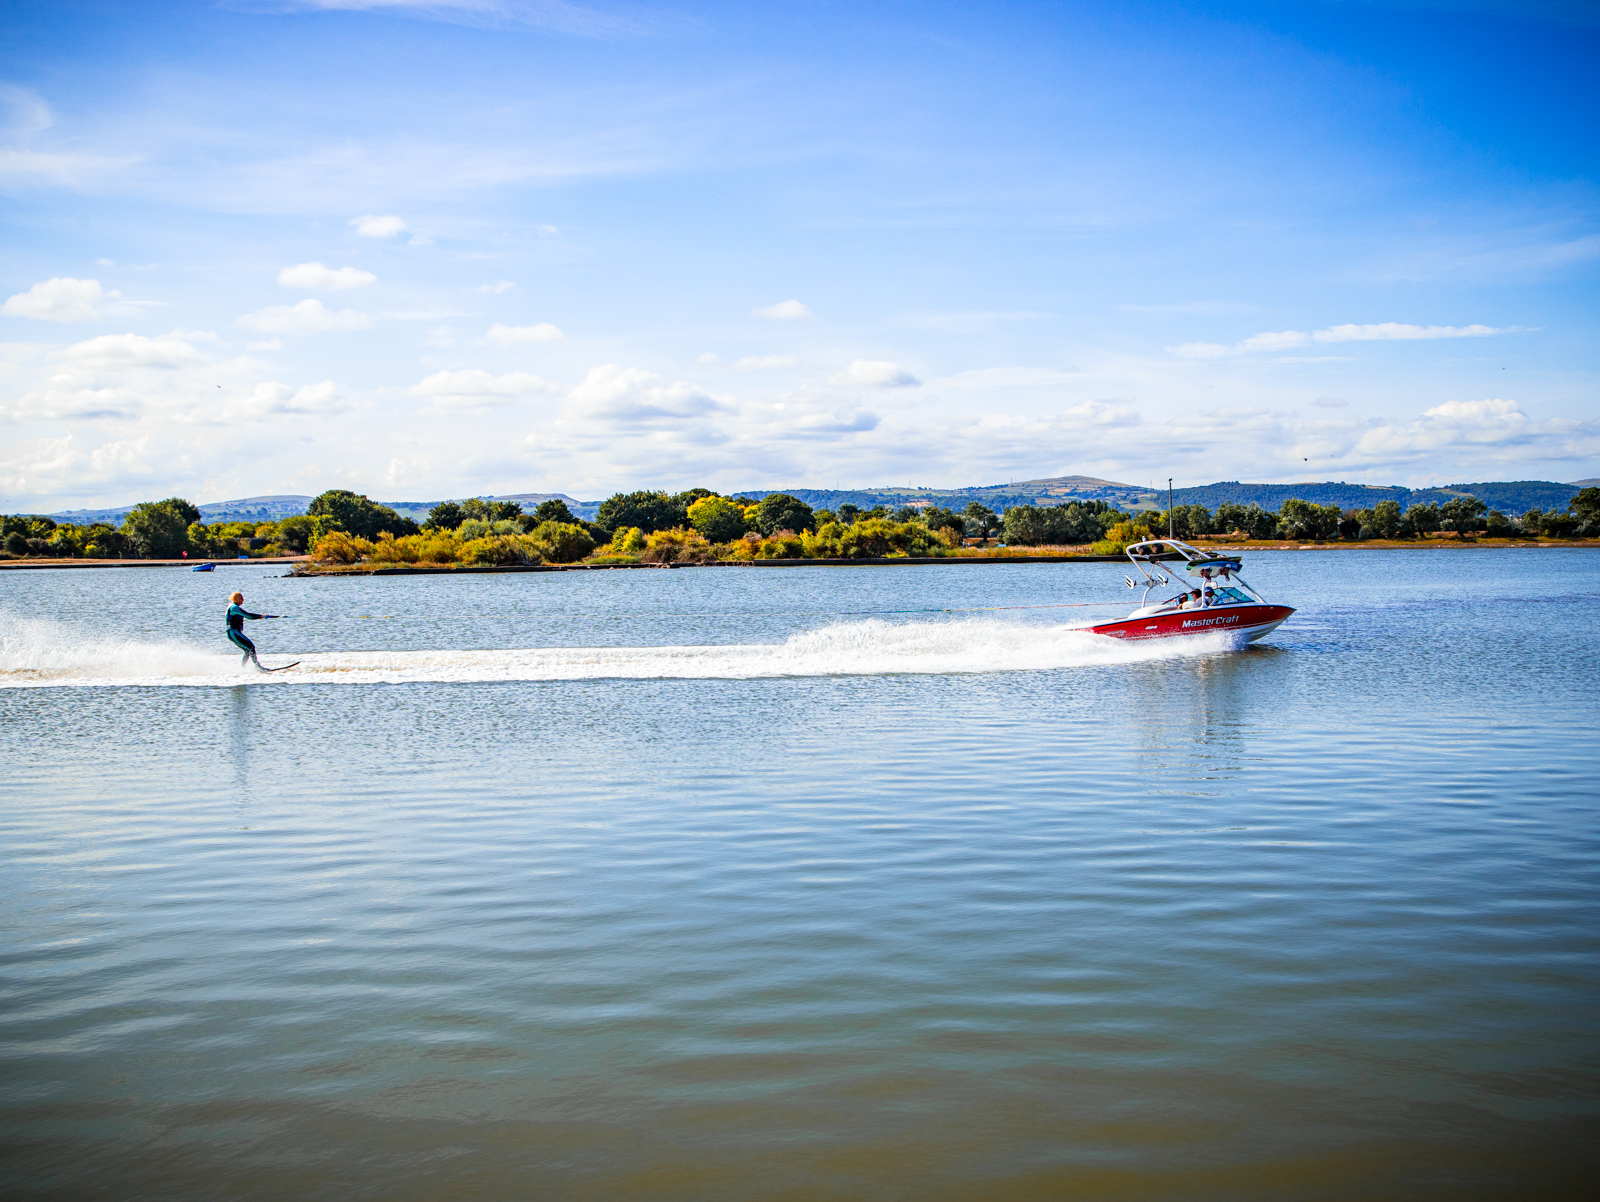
{"type": "Point", "coordinates": [41, 654]}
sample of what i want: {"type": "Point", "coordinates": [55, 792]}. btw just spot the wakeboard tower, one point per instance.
{"type": "Point", "coordinates": [1222, 604]}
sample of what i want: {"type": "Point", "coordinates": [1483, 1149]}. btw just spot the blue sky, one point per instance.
{"type": "Point", "coordinates": [492, 246]}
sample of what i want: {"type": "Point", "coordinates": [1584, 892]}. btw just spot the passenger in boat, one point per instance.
{"type": "Point", "coordinates": [1211, 597]}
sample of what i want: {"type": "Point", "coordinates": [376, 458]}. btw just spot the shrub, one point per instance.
{"type": "Point", "coordinates": [677, 546]}
{"type": "Point", "coordinates": [1120, 537]}
{"type": "Point", "coordinates": [338, 547]}
{"type": "Point", "coordinates": [627, 541]}
{"type": "Point", "coordinates": [560, 542]}
{"type": "Point", "coordinates": [717, 518]}
{"type": "Point", "coordinates": [498, 550]}
{"type": "Point", "coordinates": [783, 545]}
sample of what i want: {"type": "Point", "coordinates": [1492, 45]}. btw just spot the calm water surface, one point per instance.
{"type": "Point", "coordinates": [691, 885]}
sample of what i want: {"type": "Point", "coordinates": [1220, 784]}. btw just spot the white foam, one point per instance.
{"type": "Point", "coordinates": [40, 654]}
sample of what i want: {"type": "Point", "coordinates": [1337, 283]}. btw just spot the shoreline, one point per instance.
{"type": "Point", "coordinates": [971, 557]}
{"type": "Point", "coordinates": [36, 564]}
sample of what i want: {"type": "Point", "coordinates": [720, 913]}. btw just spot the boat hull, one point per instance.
{"type": "Point", "coordinates": [1240, 623]}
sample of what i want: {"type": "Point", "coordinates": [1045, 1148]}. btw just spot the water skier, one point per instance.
{"type": "Point", "coordinates": [236, 616]}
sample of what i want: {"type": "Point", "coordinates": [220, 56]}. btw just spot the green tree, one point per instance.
{"type": "Point", "coordinates": [1384, 521]}
{"type": "Point", "coordinates": [978, 519]}
{"type": "Point", "coordinates": [779, 511]}
{"type": "Point", "coordinates": [491, 511]}
{"type": "Point", "coordinates": [1586, 506]}
{"type": "Point", "coordinates": [848, 513]}
{"type": "Point", "coordinates": [358, 516]}
{"type": "Point", "coordinates": [1421, 519]}
{"type": "Point", "coordinates": [294, 533]}
{"type": "Point", "coordinates": [1558, 525]}
{"type": "Point", "coordinates": [554, 510]}
{"type": "Point", "coordinates": [446, 515]}
{"type": "Point", "coordinates": [1496, 525]}
{"type": "Point", "coordinates": [937, 517]}
{"type": "Point", "coordinates": [1250, 520]}
{"type": "Point", "coordinates": [647, 511]}
{"type": "Point", "coordinates": [1463, 514]}
{"type": "Point", "coordinates": [717, 518]}
{"type": "Point", "coordinates": [160, 529]}
{"type": "Point", "coordinates": [1074, 522]}
{"type": "Point", "coordinates": [1305, 519]}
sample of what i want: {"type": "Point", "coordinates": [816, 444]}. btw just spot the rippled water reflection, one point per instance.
{"type": "Point", "coordinates": [1318, 918]}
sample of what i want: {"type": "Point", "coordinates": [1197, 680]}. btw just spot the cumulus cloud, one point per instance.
{"type": "Point", "coordinates": [273, 399]}
{"type": "Point", "coordinates": [789, 310]}
{"type": "Point", "coordinates": [759, 362]}
{"type": "Point", "coordinates": [370, 226]}
{"type": "Point", "coordinates": [1495, 425]}
{"type": "Point", "coordinates": [633, 395]}
{"type": "Point", "coordinates": [874, 373]}
{"type": "Point", "coordinates": [477, 389]}
{"type": "Point", "coordinates": [59, 299]}
{"type": "Point", "coordinates": [56, 466]}
{"type": "Point", "coordinates": [133, 350]}
{"type": "Point", "coordinates": [1385, 331]}
{"type": "Point", "coordinates": [331, 279]}
{"type": "Point", "coordinates": [496, 288]}
{"type": "Point", "coordinates": [499, 335]}
{"type": "Point", "coordinates": [308, 317]}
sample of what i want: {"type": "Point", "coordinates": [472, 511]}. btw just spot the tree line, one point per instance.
{"type": "Point", "coordinates": [701, 524]}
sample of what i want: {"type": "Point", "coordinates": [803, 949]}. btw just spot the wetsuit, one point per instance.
{"type": "Point", "coordinates": [236, 616]}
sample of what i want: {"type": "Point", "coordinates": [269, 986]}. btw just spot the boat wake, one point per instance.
{"type": "Point", "coordinates": [35, 654]}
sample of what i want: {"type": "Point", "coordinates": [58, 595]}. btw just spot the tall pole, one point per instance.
{"type": "Point", "coordinates": [1171, 533]}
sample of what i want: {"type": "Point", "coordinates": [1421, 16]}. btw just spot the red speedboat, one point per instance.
{"type": "Point", "coordinates": [1222, 604]}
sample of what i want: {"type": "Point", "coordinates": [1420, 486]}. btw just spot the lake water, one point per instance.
{"type": "Point", "coordinates": [709, 884]}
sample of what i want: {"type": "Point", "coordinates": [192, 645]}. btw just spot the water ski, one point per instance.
{"type": "Point", "coordinates": [282, 668]}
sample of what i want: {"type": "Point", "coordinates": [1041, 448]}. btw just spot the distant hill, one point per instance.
{"type": "Point", "coordinates": [1052, 490]}
{"type": "Point", "coordinates": [1509, 497]}
{"type": "Point", "coordinates": [263, 509]}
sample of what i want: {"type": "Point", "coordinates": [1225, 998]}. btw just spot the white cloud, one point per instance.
{"type": "Point", "coordinates": [60, 299]}
{"type": "Point", "coordinates": [132, 350]}
{"type": "Point", "coordinates": [874, 373]}
{"type": "Point", "coordinates": [789, 310]}
{"type": "Point", "coordinates": [370, 226]}
{"type": "Point", "coordinates": [760, 362]}
{"type": "Point", "coordinates": [1385, 331]}
{"type": "Point", "coordinates": [308, 317]}
{"type": "Point", "coordinates": [315, 275]}
{"type": "Point", "coordinates": [496, 288]}
{"type": "Point", "coordinates": [273, 399]}
{"type": "Point", "coordinates": [500, 335]}
{"type": "Point", "coordinates": [709, 359]}
{"type": "Point", "coordinates": [1330, 402]}
{"type": "Point", "coordinates": [633, 395]}
{"type": "Point", "coordinates": [266, 344]}
{"type": "Point", "coordinates": [477, 389]}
